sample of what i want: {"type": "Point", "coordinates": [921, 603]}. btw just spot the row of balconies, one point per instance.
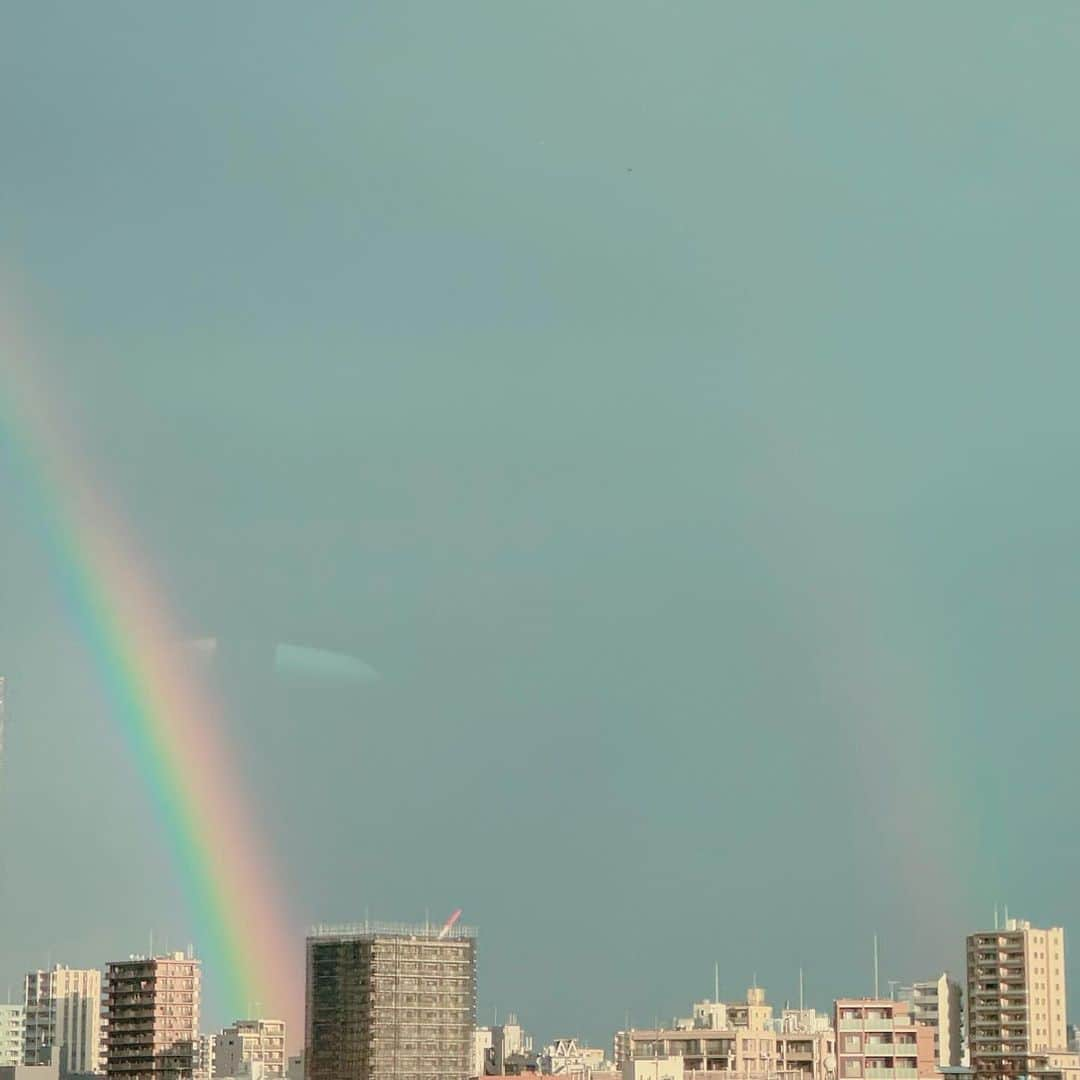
{"type": "Point", "coordinates": [876, 1025]}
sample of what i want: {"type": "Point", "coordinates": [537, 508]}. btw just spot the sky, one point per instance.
{"type": "Point", "coordinates": [674, 403]}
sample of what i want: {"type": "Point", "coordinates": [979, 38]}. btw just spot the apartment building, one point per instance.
{"type": "Point", "coordinates": [63, 1010]}
{"type": "Point", "coordinates": [936, 1004]}
{"type": "Point", "coordinates": [248, 1041]}
{"type": "Point", "coordinates": [1016, 999]}
{"type": "Point", "coordinates": [743, 1038]}
{"type": "Point", "coordinates": [152, 1012]}
{"type": "Point", "coordinates": [877, 1039]}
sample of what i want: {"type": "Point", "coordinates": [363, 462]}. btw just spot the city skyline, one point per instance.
{"type": "Point", "coordinates": [661, 419]}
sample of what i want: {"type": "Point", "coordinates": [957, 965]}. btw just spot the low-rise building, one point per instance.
{"type": "Point", "coordinates": [656, 1068]}
{"type": "Point", "coordinates": [261, 1041]}
{"type": "Point", "coordinates": [743, 1038]}
{"type": "Point", "coordinates": [567, 1057]}
{"type": "Point", "coordinates": [48, 1068]}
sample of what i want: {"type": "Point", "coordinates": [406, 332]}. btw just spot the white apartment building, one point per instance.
{"type": "Point", "coordinates": [63, 1009]}
{"type": "Point", "coordinates": [12, 1034]}
{"type": "Point", "coordinates": [248, 1042]}
{"type": "Point", "coordinates": [936, 1004]}
{"type": "Point", "coordinates": [481, 1045]}
{"type": "Point", "coordinates": [202, 1067]}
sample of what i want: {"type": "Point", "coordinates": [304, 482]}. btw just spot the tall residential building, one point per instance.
{"type": "Point", "coordinates": [12, 1034]}
{"type": "Point", "coordinates": [1016, 998]}
{"type": "Point", "coordinates": [877, 1038]}
{"type": "Point", "coordinates": [390, 1002]}
{"type": "Point", "coordinates": [152, 1011]}
{"type": "Point", "coordinates": [936, 1004]}
{"type": "Point", "coordinates": [63, 1010]}
{"type": "Point", "coordinates": [261, 1041]}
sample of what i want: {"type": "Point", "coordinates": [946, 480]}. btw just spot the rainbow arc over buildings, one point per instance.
{"type": "Point", "coordinates": [170, 722]}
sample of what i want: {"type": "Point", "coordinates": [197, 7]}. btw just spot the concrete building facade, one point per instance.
{"type": "Point", "coordinates": [877, 1039]}
{"type": "Point", "coordinates": [743, 1038]}
{"type": "Point", "coordinates": [390, 1002]}
{"type": "Point", "coordinates": [247, 1041]}
{"type": "Point", "coordinates": [152, 1012]}
{"type": "Point", "coordinates": [63, 1010]}
{"type": "Point", "coordinates": [1016, 999]}
{"type": "Point", "coordinates": [12, 1034]}
{"type": "Point", "coordinates": [937, 1004]}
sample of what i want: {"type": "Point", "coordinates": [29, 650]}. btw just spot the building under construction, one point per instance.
{"type": "Point", "coordinates": [390, 1001]}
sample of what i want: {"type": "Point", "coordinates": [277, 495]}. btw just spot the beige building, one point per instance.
{"type": "Point", "coordinates": [63, 1010]}
{"type": "Point", "coordinates": [12, 1034]}
{"type": "Point", "coordinates": [877, 1039]}
{"type": "Point", "coordinates": [1016, 1000]}
{"type": "Point", "coordinates": [936, 1004]}
{"type": "Point", "coordinates": [261, 1041]}
{"type": "Point", "coordinates": [152, 1012]}
{"type": "Point", "coordinates": [743, 1038]}
{"type": "Point", "coordinates": [667, 1068]}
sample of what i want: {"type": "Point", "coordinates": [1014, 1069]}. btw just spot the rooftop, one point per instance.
{"type": "Point", "coordinates": [370, 928]}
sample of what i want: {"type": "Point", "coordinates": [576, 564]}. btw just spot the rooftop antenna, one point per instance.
{"type": "Point", "coordinates": [875, 967]}
{"type": "Point", "coordinates": [800, 990]}
{"type": "Point", "coordinates": [716, 983]}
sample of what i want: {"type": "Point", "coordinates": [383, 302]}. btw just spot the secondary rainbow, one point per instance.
{"type": "Point", "coordinates": [169, 721]}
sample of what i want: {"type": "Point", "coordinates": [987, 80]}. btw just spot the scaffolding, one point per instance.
{"type": "Point", "coordinates": [391, 1001]}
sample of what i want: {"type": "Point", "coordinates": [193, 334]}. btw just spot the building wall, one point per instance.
{"type": "Point", "coordinates": [877, 1039]}
{"type": "Point", "coordinates": [12, 1034]}
{"type": "Point", "coordinates": [45, 1071]}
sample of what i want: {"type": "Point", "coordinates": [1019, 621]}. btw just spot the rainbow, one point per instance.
{"type": "Point", "coordinates": [168, 719]}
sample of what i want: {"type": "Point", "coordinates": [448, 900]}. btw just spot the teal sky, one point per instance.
{"type": "Point", "coordinates": [675, 403]}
